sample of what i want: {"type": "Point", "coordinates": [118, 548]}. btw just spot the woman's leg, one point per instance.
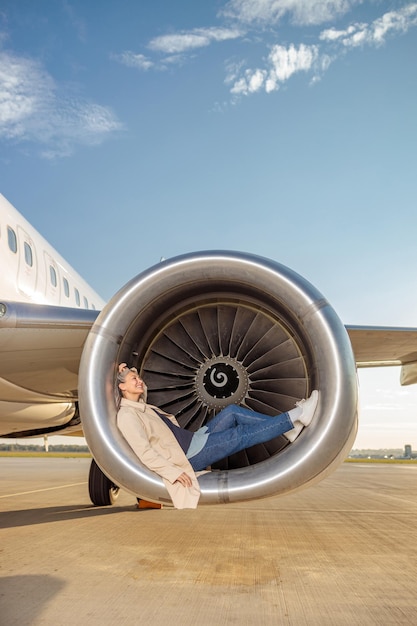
{"type": "Point", "coordinates": [233, 415]}
{"type": "Point", "coordinates": [236, 428]}
{"type": "Point", "coordinates": [246, 431]}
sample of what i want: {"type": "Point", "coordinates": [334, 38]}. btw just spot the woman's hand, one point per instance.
{"type": "Point", "coordinates": [184, 479]}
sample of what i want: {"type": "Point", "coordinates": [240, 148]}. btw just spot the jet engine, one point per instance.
{"type": "Point", "coordinates": [209, 329]}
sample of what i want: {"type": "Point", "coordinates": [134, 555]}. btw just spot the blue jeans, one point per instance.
{"type": "Point", "coordinates": [236, 428]}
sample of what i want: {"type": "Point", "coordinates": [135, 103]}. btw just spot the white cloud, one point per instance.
{"type": "Point", "coordinates": [130, 59]}
{"type": "Point", "coordinates": [282, 64]}
{"type": "Point", "coordinates": [400, 20]}
{"type": "Point", "coordinates": [307, 12]}
{"type": "Point", "coordinates": [173, 47]}
{"type": "Point", "coordinates": [376, 32]}
{"type": "Point", "coordinates": [197, 38]}
{"type": "Point", "coordinates": [251, 82]}
{"type": "Point", "coordinates": [287, 61]}
{"type": "Point", "coordinates": [34, 109]}
{"type": "Point", "coordinates": [18, 100]}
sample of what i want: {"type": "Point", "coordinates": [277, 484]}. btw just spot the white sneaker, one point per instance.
{"type": "Point", "coordinates": [292, 434]}
{"type": "Point", "coordinates": [308, 408]}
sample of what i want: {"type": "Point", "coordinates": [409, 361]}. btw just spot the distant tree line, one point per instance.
{"type": "Point", "coordinates": [17, 447]}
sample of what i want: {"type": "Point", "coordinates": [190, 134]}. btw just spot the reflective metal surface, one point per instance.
{"type": "Point", "coordinates": [40, 347]}
{"type": "Point", "coordinates": [213, 328]}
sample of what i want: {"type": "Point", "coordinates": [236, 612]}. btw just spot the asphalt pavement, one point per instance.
{"type": "Point", "coordinates": [342, 552]}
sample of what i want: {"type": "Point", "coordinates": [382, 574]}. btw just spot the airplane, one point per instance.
{"type": "Point", "coordinates": [205, 329]}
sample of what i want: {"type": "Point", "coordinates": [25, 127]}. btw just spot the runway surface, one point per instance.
{"type": "Point", "coordinates": [341, 552]}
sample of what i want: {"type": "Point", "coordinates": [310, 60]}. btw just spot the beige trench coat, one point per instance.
{"type": "Point", "coordinates": [155, 445]}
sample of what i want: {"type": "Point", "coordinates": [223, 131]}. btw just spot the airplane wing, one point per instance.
{"type": "Point", "coordinates": [40, 351]}
{"type": "Point", "coordinates": [379, 346]}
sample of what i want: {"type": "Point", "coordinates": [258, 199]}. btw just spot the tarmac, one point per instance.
{"type": "Point", "coordinates": [342, 552]}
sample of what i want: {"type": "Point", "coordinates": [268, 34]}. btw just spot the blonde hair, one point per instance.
{"type": "Point", "coordinates": [122, 373]}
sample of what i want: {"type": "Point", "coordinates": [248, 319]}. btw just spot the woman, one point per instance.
{"type": "Point", "coordinates": [176, 454]}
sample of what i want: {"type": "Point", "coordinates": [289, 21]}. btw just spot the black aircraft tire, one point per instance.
{"type": "Point", "coordinates": [101, 489]}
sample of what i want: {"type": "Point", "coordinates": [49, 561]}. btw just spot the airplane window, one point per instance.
{"type": "Point", "coordinates": [85, 302]}
{"type": "Point", "coordinates": [11, 236]}
{"type": "Point", "coordinates": [28, 254]}
{"type": "Point", "coordinates": [52, 273]}
{"type": "Point", "coordinates": [77, 296]}
{"type": "Point", "coordinates": [66, 287]}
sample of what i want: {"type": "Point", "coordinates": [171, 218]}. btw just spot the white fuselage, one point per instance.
{"type": "Point", "coordinates": [33, 271]}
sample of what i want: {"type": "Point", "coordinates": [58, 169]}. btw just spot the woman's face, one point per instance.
{"type": "Point", "coordinates": [132, 386]}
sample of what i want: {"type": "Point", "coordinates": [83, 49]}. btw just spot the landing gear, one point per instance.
{"type": "Point", "coordinates": [101, 489]}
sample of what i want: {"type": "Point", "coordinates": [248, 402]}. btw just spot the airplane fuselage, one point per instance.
{"type": "Point", "coordinates": [33, 271]}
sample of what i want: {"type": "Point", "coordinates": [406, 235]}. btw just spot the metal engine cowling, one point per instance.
{"type": "Point", "coordinates": [209, 329]}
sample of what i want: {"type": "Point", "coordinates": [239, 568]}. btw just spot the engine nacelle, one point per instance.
{"type": "Point", "coordinates": [209, 329]}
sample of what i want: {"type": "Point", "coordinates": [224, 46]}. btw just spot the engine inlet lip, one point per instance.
{"type": "Point", "coordinates": [311, 457]}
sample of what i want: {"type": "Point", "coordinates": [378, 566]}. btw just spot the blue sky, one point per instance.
{"type": "Point", "coordinates": [287, 128]}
